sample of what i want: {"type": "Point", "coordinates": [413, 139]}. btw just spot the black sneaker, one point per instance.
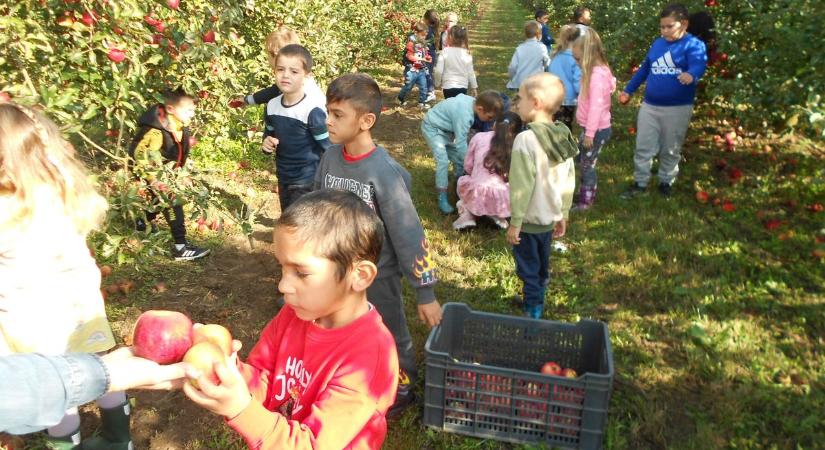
{"type": "Point", "coordinates": [189, 253]}
{"type": "Point", "coordinates": [665, 189]}
{"type": "Point", "coordinates": [402, 402]}
{"type": "Point", "coordinates": [634, 191]}
{"type": "Point", "coordinates": [140, 225]}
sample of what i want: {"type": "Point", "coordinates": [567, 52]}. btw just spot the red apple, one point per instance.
{"type": "Point", "coordinates": [5, 97]}
{"type": "Point", "coordinates": [631, 130]}
{"type": "Point", "coordinates": [118, 31]}
{"type": "Point", "coordinates": [728, 206]}
{"type": "Point", "coordinates": [105, 271]}
{"type": "Point", "coordinates": [162, 336]}
{"type": "Point", "coordinates": [772, 224]}
{"type": "Point", "coordinates": [116, 55]}
{"type": "Point", "coordinates": [702, 197]}
{"type": "Point", "coordinates": [174, 4]}
{"type": "Point", "coordinates": [569, 373]}
{"type": "Point", "coordinates": [203, 94]}
{"type": "Point", "coordinates": [160, 27]}
{"type": "Point", "coordinates": [236, 103]}
{"type": "Point", "coordinates": [209, 37]}
{"type": "Point", "coordinates": [710, 3]}
{"type": "Point", "coordinates": [243, 164]}
{"type": "Point", "coordinates": [551, 368]}
{"type": "Point", "coordinates": [203, 356]}
{"type": "Point", "coordinates": [734, 174]}
{"type": "Point", "coordinates": [88, 18]}
{"type": "Point", "coordinates": [192, 141]}
{"type": "Point", "coordinates": [151, 21]}
{"type": "Point", "coordinates": [215, 334]}
{"type": "Point", "coordinates": [816, 207]}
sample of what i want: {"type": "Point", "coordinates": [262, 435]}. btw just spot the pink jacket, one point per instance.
{"type": "Point", "coordinates": [593, 112]}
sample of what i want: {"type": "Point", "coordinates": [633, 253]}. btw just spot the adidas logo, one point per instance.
{"type": "Point", "coordinates": [665, 66]}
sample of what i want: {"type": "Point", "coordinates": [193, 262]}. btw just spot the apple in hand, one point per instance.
{"type": "Point", "coordinates": [162, 336]}
{"type": "Point", "coordinates": [215, 334]}
{"type": "Point", "coordinates": [203, 357]}
{"type": "Point", "coordinates": [551, 368]}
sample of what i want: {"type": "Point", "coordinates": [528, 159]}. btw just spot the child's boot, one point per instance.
{"type": "Point", "coordinates": [444, 203]}
{"type": "Point", "coordinates": [114, 434]}
{"type": "Point", "coordinates": [68, 442]}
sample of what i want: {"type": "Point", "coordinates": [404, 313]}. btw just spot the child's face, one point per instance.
{"type": "Point", "coordinates": [183, 111]}
{"type": "Point", "coordinates": [344, 122]}
{"type": "Point", "coordinates": [544, 19]}
{"type": "Point", "coordinates": [525, 107]}
{"type": "Point", "coordinates": [308, 281]}
{"type": "Point", "coordinates": [672, 29]}
{"type": "Point", "coordinates": [483, 114]}
{"type": "Point", "coordinates": [585, 18]}
{"type": "Point", "coordinates": [421, 35]}
{"type": "Point", "coordinates": [290, 74]}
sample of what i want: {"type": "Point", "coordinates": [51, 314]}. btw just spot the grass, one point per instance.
{"type": "Point", "coordinates": [716, 322]}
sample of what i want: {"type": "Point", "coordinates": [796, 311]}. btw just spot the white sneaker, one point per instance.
{"type": "Point", "coordinates": [431, 96]}
{"type": "Point", "coordinates": [465, 220]}
{"type": "Point", "coordinates": [500, 222]}
{"type": "Point", "coordinates": [559, 246]}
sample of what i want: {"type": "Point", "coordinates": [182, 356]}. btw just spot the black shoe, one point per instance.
{"type": "Point", "coordinates": [665, 189]}
{"type": "Point", "coordinates": [634, 191]}
{"type": "Point", "coordinates": [189, 253]}
{"type": "Point", "coordinates": [402, 402]}
{"type": "Point", "coordinates": [140, 225]}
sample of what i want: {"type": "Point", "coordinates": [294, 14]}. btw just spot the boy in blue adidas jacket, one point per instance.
{"type": "Point", "coordinates": [672, 68]}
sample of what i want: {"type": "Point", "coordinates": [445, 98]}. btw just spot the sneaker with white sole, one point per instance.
{"type": "Point", "coordinates": [431, 96]}
{"type": "Point", "coordinates": [423, 106]}
{"type": "Point", "coordinates": [500, 222]}
{"type": "Point", "coordinates": [189, 253]}
{"type": "Point", "coordinates": [465, 220]}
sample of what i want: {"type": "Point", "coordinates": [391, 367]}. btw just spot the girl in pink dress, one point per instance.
{"type": "Point", "coordinates": [483, 190]}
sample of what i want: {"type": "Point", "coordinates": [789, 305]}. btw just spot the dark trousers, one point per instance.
{"type": "Point", "coordinates": [175, 223]}
{"type": "Point", "coordinates": [385, 295]}
{"type": "Point", "coordinates": [288, 193]}
{"type": "Point", "coordinates": [454, 92]}
{"type": "Point", "coordinates": [532, 257]}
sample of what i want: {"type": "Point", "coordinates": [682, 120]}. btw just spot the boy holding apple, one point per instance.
{"type": "Point", "coordinates": [325, 369]}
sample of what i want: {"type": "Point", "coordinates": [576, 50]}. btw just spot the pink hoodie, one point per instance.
{"type": "Point", "coordinates": [593, 112]}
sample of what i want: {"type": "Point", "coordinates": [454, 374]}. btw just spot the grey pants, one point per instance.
{"type": "Point", "coordinates": [385, 294]}
{"type": "Point", "coordinates": [661, 132]}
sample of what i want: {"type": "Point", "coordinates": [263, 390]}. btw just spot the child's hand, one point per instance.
{"type": "Point", "coordinates": [587, 143]}
{"type": "Point", "coordinates": [430, 313]}
{"type": "Point", "coordinates": [560, 229]}
{"type": "Point", "coordinates": [474, 92]}
{"type": "Point", "coordinates": [270, 144]}
{"type": "Point", "coordinates": [513, 235]}
{"type": "Point", "coordinates": [229, 398]}
{"type": "Point", "coordinates": [685, 78]}
{"type": "Point", "coordinates": [624, 98]}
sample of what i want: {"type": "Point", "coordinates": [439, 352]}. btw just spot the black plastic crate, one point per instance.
{"type": "Point", "coordinates": [483, 378]}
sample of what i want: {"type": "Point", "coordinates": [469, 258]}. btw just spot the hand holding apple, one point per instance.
{"type": "Point", "coordinates": [624, 97]}
{"type": "Point", "coordinates": [128, 371]}
{"type": "Point", "coordinates": [229, 398]}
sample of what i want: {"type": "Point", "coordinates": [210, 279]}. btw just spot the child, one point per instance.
{"type": "Point", "coordinates": [164, 136]}
{"type": "Point", "coordinates": [416, 68]}
{"type": "Point", "coordinates": [672, 68]}
{"type": "Point", "coordinates": [445, 129]}
{"type": "Point", "coordinates": [358, 165]}
{"type": "Point", "coordinates": [296, 128]}
{"type": "Point", "coordinates": [564, 66]}
{"type": "Point", "coordinates": [451, 19]}
{"type": "Point", "coordinates": [582, 17]}
{"type": "Point", "coordinates": [275, 41]}
{"type": "Point", "coordinates": [542, 17]}
{"type": "Point", "coordinates": [483, 189]}
{"type": "Point", "coordinates": [530, 56]}
{"type": "Point", "coordinates": [50, 299]}
{"type": "Point", "coordinates": [454, 69]}
{"type": "Point", "coordinates": [542, 178]}
{"type": "Point", "coordinates": [597, 87]}
{"type": "Point", "coordinates": [324, 371]}
{"type": "Point", "coordinates": [431, 19]}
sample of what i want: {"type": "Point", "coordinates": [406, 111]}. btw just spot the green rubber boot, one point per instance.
{"type": "Point", "coordinates": [114, 434]}
{"type": "Point", "coordinates": [68, 442]}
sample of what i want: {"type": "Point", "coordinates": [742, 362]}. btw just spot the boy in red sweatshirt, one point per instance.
{"type": "Point", "coordinates": [325, 370]}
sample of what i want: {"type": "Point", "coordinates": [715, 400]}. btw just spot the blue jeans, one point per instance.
{"type": "Point", "coordinates": [586, 159]}
{"type": "Point", "coordinates": [415, 77]}
{"type": "Point", "coordinates": [532, 256]}
{"type": "Point", "coordinates": [445, 151]}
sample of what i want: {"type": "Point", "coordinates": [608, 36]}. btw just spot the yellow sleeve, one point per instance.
{"type": "Point", "coordinates": [152, 142]}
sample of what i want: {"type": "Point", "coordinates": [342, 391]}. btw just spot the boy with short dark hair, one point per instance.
{"type": "Point", "coordinates": [417, 60]}
{"type": "Point", "coordinates": [296, 128]}
{"type": "Point", "coordinates": [358, 165]}
{"type": "Point", "coordinates": [542, 178]}
{"type": "Point", "coordinates": [530, 56]}
{"type": "Point", "coordinates": [163, 136]}
{"type": "Point", "coordinates": [325, 370]}
{"type": "Point", "coordinates": [542, 17]}
{"type": "Point", "coordinates": [446, 128]}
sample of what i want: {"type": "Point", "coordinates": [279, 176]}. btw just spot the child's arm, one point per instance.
{"type": "Point", "coordinates": [270, 142]}
{"type": "Point", "coordinates": [511, 69]}
{"type": "Point", "coordinates": [697, 59]}
{"type": "Point", "coordinates": [438, 70]}
{"type": "Point", "coordinates": [522, 178]}
{"type": "Point", "coordinates": [576, 76]}
{"type": "Point", "coordinates": [263, 96]}
{"type": "Point", "coordinates": [472, 82]}
{"type": "Point", "coordinates": [317, 122]}
{"type": "Point", "coordinates": [598, 100]}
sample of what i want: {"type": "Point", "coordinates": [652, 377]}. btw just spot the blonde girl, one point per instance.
{"type": "Point", "coordinates": [50, 300]}
{"type": "Point", "coordinates": [564, 66]}
{"type": "Point", "coordinates": [454, 70]}
{"type": "Point", "coordinates": [450, 19]}
{"type": "Point", "coordinates": [593, 112]}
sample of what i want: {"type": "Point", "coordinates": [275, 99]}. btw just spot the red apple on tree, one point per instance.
{"type": "Point", "coordinates": [203, 94]}
{"type": "Point", "coordinates": [209, 37]}
{"type": "Point", "coordinates": [173, 4]}
{"type": "Point", "coordinates": [551, 368]}
{"type": "Point", "coordinates": [702, 197]}
{"type": "Point", "coordinates": [215, 334]}
{"type": "Point", "coordinates": [162, 336]}
{"type": "Point", "coordinates": [116, 55]}
{"type": "Point", "coordinates": [203, 356]}
{"type": "Point", "coordinates": [88, 18]}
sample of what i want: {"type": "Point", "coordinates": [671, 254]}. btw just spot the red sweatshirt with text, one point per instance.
{"type": "Point", "coordinates": [316, 388]}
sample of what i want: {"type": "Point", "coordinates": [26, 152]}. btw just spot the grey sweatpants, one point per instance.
{"type": "Point", "coordinates": [661, 132]}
